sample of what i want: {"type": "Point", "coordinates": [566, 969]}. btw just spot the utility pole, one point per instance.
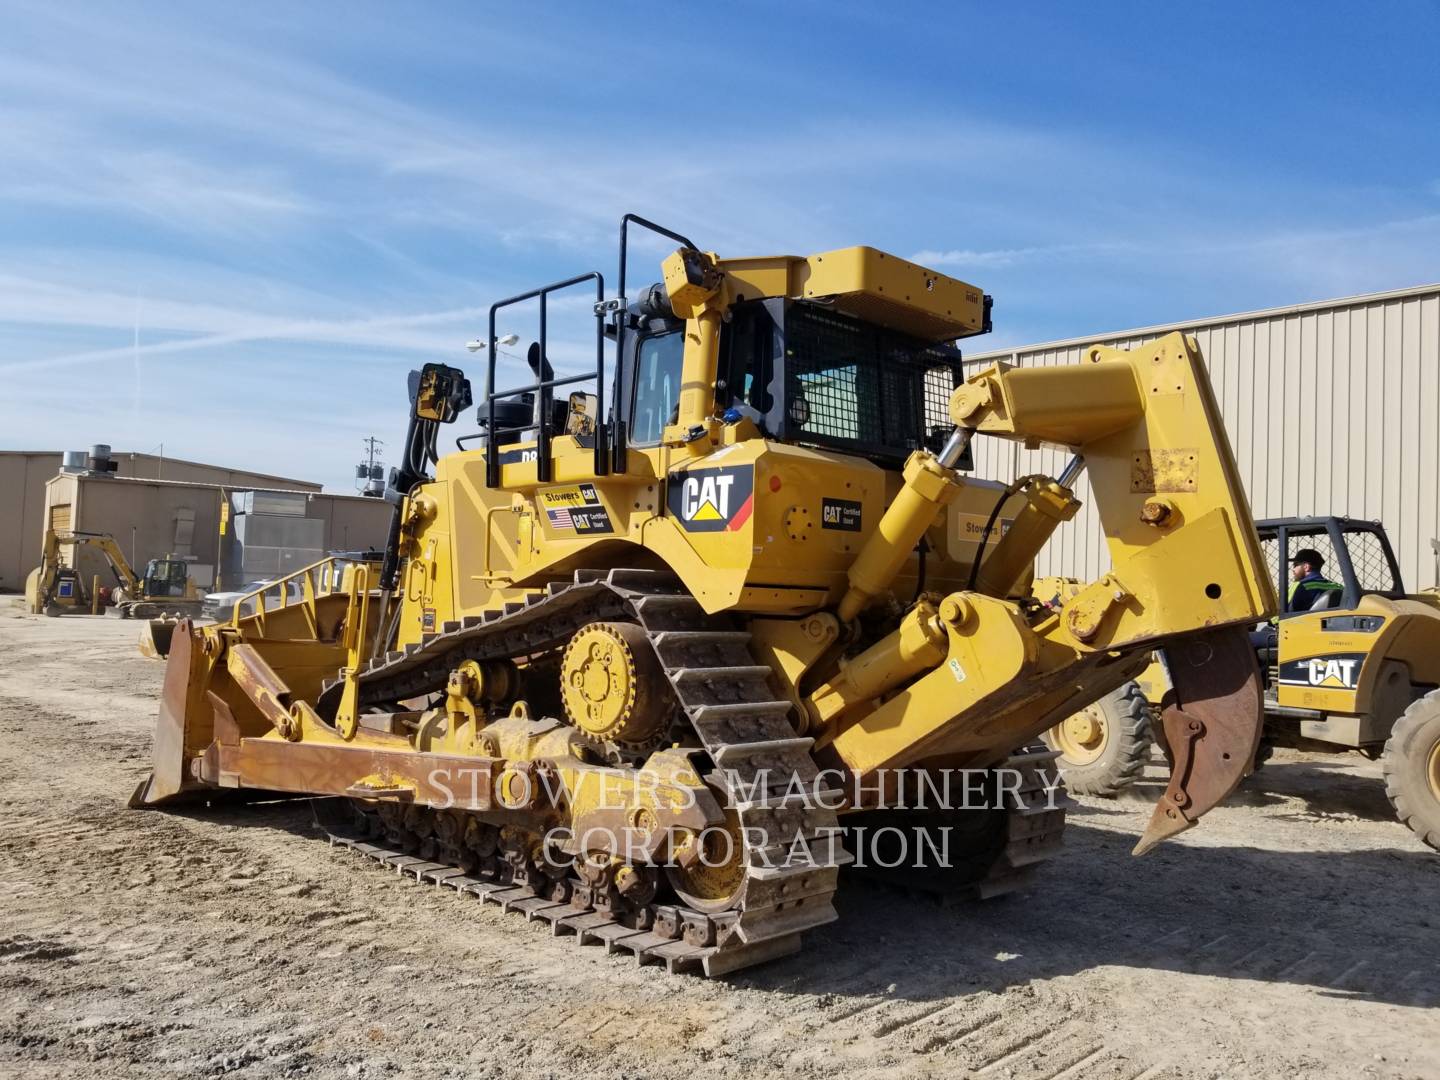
{"type": "Point", "coordinates": [370, 473]}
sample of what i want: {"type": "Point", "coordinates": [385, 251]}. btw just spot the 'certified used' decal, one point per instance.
{"type": "Point", "coordinates": [711, 500]}
{"type": "Point", "coordinates": [575, 509]}
{"type": "Point", "coordinates": [842, 514]}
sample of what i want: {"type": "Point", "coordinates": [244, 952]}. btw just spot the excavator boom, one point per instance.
{"type": "Point", "coordinates": [130, 598]}
{"type": "Point", "coordinates": [41, 584]}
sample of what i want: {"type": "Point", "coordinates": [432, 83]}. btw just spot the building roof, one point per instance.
{"type": "Point", "coordinates": [141, 455]}
{"type": "Point", "coordinates": [1217, 320]}
{"type": "Point", "coordinates": [112, 478]}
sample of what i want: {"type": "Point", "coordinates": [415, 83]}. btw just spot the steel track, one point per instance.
{"type": "Point", "coordinates": [761, 766]}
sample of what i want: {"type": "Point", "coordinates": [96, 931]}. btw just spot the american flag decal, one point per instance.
{"type": "Point", "coordinates": [560, 519]}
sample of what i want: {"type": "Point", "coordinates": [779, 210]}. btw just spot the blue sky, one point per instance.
{"type": "Point", "coordinates": [234, 230]}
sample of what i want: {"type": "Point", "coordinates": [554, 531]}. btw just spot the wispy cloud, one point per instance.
{"type": "Point", "coordinates": [393, 332]}
{"type": "Point", "coordinates": [54, 161]}
{"type": "Point", "coordinates": [1181, 241]}
{"type": "Point", "coordinates": [1015, 256]}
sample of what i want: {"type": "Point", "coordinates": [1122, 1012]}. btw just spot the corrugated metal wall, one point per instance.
{"type": "Point", "coordinates": [1330, 408]}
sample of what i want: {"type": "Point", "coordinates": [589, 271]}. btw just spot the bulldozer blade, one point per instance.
{"type": "Point", "coordinates": [155, 638]}
{"type": "Point", "coordinates": [167, 778]}
{"type": "Point", "coordinates": [1211, 728]}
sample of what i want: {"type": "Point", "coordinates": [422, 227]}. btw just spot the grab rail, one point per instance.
{"type": "Point", "coordinates": [543, 386]}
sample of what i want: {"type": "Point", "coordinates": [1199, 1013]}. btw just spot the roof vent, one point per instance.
{"type": "Point", "coordinates": [100, 460]}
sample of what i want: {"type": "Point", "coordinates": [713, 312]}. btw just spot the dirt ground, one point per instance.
{"type": "Point", "coordinates": [1293, 934]}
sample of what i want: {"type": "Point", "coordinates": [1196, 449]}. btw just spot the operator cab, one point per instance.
{"type": "Point", "coordinates": [858, 371]}
{"type": "Point", "coordinates": [1357, 555]}
{"type": "Point", "coordinates": [1357, 558]}
{"type": "Point", "coordinates": [166, 577]}
{"type": "Point", "coordinates": [804, 374]}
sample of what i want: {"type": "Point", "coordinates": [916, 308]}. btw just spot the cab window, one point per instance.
{"type": "Point", "coordinates": [657, 386]}
{"type": "Point", "coordinates": [165, 578]}
{"type": "Point", "coordinates": [1370, 563]}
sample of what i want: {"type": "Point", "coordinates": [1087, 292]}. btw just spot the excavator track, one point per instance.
{"type": "Point", "coordinates": [763, 771]}
{"type": "Point", "coordinates": [155, 609]}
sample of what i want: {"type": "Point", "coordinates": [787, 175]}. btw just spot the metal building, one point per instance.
{"type": "Point", "coordinates": [229, 535]}
{"type": "Point", "coordinates": [24, 474]}
{"type": "Point", "coordinates": [1331, 407]}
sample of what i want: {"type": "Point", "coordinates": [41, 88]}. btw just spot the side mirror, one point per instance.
{"type": "Point", "coordinates": [439, 393]}
{"type": "Point", "coordinates": [580, 419]}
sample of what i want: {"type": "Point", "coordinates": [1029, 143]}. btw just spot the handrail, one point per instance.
{"type": "Point", "coordinates": [329, 583]}
{"type": "Point", "coordinates": [610, 435]}
{"type": "Point", "coordinates": [543, 385]}
{"type": "Point", "coordinates": [621, 423]}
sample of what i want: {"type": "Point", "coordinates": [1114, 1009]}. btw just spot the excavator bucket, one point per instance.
{"type": "Point", "coordinates": [155, 638]}
{"type": "Point", "coordinates": [1212, 722]}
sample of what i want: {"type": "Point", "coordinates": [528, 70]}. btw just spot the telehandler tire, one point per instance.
{"type": "Point", "coordinates": [1411, 766]}
{"type": "Point", "coordinates": [1104, 748]}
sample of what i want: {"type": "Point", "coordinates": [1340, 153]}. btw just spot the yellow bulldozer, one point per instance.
{"type": "Point", "coordinates": [653, 669]}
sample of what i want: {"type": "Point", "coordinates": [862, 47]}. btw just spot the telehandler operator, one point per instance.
{"type": "Point", "coordinates": [1308, 585]}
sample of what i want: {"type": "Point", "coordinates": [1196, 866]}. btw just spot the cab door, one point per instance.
{"type": "Point", "coordinates": [1319, 656]}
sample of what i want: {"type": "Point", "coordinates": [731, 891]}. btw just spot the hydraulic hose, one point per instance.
{"type": "Point", "coordinates": [1005, 496]}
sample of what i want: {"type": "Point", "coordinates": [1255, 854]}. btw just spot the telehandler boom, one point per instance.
{"type": "Point", "coordinates": [653, 667]}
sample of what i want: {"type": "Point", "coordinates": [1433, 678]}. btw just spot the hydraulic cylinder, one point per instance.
{"type": "Point", "coordinates": [928, 487]}
{"type": "Point", "coordinates": [1047, 505]}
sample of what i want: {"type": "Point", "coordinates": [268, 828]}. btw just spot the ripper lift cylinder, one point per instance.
{"type": "Point", "coordinates": [928, 487]}
{"type": "Point", "coordinates": [1047, 504]}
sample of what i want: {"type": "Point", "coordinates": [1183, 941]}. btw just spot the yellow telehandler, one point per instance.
{"type": "Point", "coordinates": [1355, 667]}
{"type": "Point", "coordinates": [653, 663]}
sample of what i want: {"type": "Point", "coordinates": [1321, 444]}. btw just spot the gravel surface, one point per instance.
{"type": "Point", "coordinates": [1293, 934]}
